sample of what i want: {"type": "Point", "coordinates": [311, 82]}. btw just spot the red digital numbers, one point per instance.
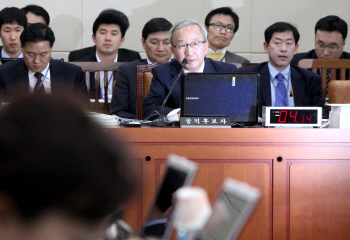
{"type": "Point", "coordinates": [284, 117]}
{"type": "Point", "coordinates": [295, 116]}
{"type": "Point", "coordinates": [308, 118]}
{"type": "Point", "coordinates": [291, 116]}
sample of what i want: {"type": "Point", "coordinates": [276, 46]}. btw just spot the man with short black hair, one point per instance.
{"type": "Point", "coordinates": [37, 73]}
{"type": "Point", "coordinates": [282, 84]}
{"type": "Point", "coordinates": [12, 23]}
{"type": "Point", "coordinates": [109, 31]}
{"type": "Point", "coordinates": [36, 14]}
{"type": "Point", "coordinates": [221, 25]}
{"type": "Point", "coordinates": [155, 41]}
{"type": "Point", "coordinates": [330, 37]}
{"type": "Point", "coordinates": [62, 176]}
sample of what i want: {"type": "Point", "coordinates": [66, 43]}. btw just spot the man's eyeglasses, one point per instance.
{"type": "Point", "coordinates": [219, 26]}
{"type": "Point", "coordinates": [183, 46]}
{"type": "Point", "coordinates": [331, 47]}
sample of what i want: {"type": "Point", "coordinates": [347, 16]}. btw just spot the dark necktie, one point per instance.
{"type": "Point", "coordinates": [281, 92]}
{"type": "Point", "coordinates": [328, 79]}
{"type": "Point", "coordinates": [37, 89]}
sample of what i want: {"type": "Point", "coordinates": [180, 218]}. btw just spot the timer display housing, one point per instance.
{"type": "Point", "coordinates": [292, 116]}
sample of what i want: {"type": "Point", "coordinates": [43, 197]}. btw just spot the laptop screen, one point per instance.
{"type": "Point", "coordinates": [232, 95]}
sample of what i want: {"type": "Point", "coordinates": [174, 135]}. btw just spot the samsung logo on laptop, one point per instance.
{"type": "Point", "coordinates": [192, 98]}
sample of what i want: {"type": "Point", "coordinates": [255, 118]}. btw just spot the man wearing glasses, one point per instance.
{"type": "Point", "coordinates": [189, 40]}
{"type": "Point", "coordinates": [330, 38]}
{"type": "Point", "coordinates": [221, 25]}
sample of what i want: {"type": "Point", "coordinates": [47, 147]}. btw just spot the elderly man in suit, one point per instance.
{"type": "Point", "coordinates": [189, 41]}
{"type": "Point", "coordinates": [222, 24]}
{"type": "Point", "coordinates": [36, 73]}
{"type": "Point", "coordinates": [155, 41]}
{"type": "Point", "coordinates": [282, 84]}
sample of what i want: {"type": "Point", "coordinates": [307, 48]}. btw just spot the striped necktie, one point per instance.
{"type": "Point", "coordinates": [281, 92]}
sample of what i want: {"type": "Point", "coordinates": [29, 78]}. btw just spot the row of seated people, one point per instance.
{"type": "Point", "coordinates": [110, 27]}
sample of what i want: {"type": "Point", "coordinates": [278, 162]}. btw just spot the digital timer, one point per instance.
{"type": "Point", "coordinates": [292, 116]}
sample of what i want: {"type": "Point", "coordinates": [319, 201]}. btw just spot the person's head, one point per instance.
{"type": "Point", "coordinates": [221, 24]}
{"type": "Point", "coordinates": [36, 14]}
{"type": "Point", "coordinates": [37, 41]}
{"type": "Point", "coordinates": [155, 40]}
{"type": "Point", "coordinates": [12, 23]}
{"type": "Point", "coordinates": [189, 40]}
{"type": "Point", "coordinates": [330, 37]}
{"type": "Point", "coordinates": [109, 30]}
{"type": "Point", "coordinates": [61, 174]}
{"type": "Point", "coordinates": [281, 43]}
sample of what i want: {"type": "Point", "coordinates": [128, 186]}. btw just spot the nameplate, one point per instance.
{"type": "Point", "coordinates": [205, 122]}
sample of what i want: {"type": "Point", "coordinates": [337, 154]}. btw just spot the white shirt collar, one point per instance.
{"type": "Point", "coordinates": [222, 50]}
{"type": "Point", "coordinates": [274, 71]}
{"type": "Point", "coordinates": [45, 72]}
{"type": "Point", "coordinates": [5, 55]}
{"type": "Point", "coordinates": [99, 60]}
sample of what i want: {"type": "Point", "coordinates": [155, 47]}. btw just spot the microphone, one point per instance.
{"type": "Point", "coordinates": [160, 122]}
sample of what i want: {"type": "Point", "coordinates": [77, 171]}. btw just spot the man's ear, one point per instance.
{"type": "Point", "coordinates": [93, 38]}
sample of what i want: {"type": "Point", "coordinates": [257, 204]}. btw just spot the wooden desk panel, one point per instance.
{"type": "Point", "coordinates": [277, 161]}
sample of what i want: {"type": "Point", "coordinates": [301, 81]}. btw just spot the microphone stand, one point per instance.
{"type": "Point", "coordinates": [160, 122]}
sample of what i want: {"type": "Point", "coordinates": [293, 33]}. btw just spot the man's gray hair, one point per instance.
{"type": "Point", "coordinates": [185, 23]}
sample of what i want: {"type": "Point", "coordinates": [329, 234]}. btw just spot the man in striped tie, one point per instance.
{"type": "Point", "coordinates": [282, 84]}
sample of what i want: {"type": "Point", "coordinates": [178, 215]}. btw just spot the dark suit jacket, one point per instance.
{"type": "Point", "coordinates": [127, 54]}
{"type": "Point", "coordinates": [312, 54]}
{"type": "Point", "coordinates": [164, 77]}
{"type": "Point", "coordinates": [92, 58]}
{"type": "Point", "coordinates": [306, 86]}
{"type": "Point", "coordinates": [65, 77]}
{"type": "Point", "coordinates": [234, 58]}
{"type": "Point", "coordinates": [124, 92]}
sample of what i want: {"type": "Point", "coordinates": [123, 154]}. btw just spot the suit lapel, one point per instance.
{"type": "Point", "coordinates": [208, 67]}
{"type": "Point", "coordinates": [265, 86]}
{"type": "Point", "coordinates": [56, 75]}
{"type": "Point", "coordinates": [174, 73]}
{"type": "Point", "coordinates": [298, 87]}
{"type": "Point", "coordinates": [21, 77]}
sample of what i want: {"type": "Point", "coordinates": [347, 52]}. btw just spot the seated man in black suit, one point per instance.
{"type": "Point", "coordinates": [155, 41]}
{"type": "Point", "coordinates": [36, 14]}
{"type": "Point", "coordinates": [330, 38]}
{"type": "Point", "coordinates": [126, 54]}
{"type": "Point", "coordinates": [108, 34]}
{"type": "Point", "coordinates": [222, 24]}
{"type": "Point", "coordinates": [61, 175]}
{"type": "Point", "coordinates": [12, 23]}
{"type": "Point", "coordinates": [282, 84]}
{"type": "Point", "coordinates": [189, 40]}
{"type": "Point", "coordinates": [36, 73]}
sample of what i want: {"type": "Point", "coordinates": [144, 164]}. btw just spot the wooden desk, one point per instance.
{"type": "Point", "coordinates": [304, 174]}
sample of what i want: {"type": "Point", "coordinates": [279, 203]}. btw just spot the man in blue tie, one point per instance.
{"type": "Point", "coordinates": [282, 84]}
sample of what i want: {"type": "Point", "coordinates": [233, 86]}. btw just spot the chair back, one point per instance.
{"type": "Point", "coordinates": [244, 65]}
{"type": "Point", "coordinates": [143, 83]}
{"type": "Point", "coordinates": [97, 67]}
{"type": "Point", "coordinates": [339, 69]}
{"type": "Point", "coordinates": [338, 91]}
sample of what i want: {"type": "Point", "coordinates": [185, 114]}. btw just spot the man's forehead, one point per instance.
{"type": "Point", "coordinates": [37, 45]}
{"type": "Point", "coordinates": [286, 35]}
{"type": "Point", "coordinates": [112, 26]}
{"type": "Point", "coordinates": [11, 25]}
{"type": "Point", "coordinates": [223, 19]}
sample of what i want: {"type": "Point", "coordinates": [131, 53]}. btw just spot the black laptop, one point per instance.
{"type": "Point", "coordinates": [233, 95]}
